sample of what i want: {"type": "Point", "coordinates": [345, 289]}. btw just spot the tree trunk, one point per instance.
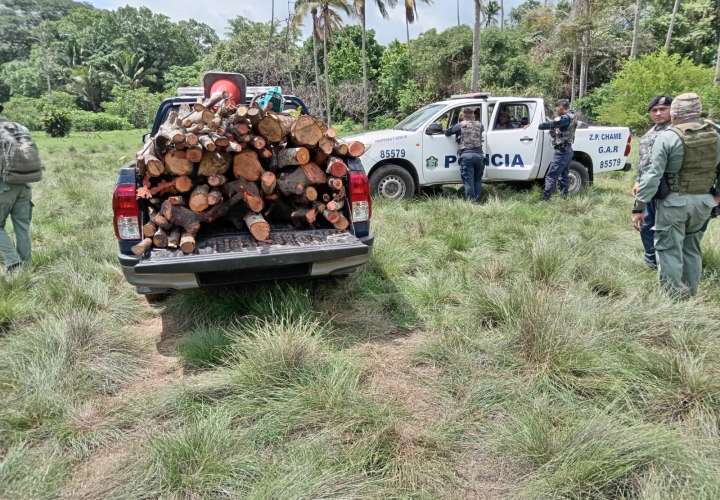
{"type": "Point", "coordinates": [364, 69]}
{"type": "Point", "coordinates": [306, 131]}
{"type": "Point", "coordinates": [476, 47]}
{"type": "Point", "coordinates": [502, 15]}
{"type": "Point", "coordinates": [668, 38]}
{"type": "Point", "coordinates": [327, 68]}
{"type": "Point", "coordinates": [458, 11]}
{"type": "Point", "coordinates": [636, 28]}
{"type": "Point", "coordinates": [317, 66]}
{"type": "Point", "coordinates": [573, 92]}
{"type": "Point", "coordinates": [407, 31]}
{"type": "Point", "coordinates": [717, 67]}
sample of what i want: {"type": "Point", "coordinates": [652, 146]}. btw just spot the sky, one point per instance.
{"type": "Point", "coordinates": [441, 15]}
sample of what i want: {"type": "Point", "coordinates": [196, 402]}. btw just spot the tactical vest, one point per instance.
{"type": "Point", "coordinates": [19, 159]}
{"type": "Point", "coordinates": [471, 135]}
{"type": "Point", "coordinates": [564, 137]}
{"type": "Point", "coordinates": [698, 171]}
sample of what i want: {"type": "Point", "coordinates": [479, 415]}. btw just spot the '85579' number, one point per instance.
{"type": "Point", "coordinates": [392, 153]}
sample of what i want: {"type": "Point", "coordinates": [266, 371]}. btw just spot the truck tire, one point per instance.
{"type": "Point", "coordinates": [156, 299]}
{"type": "Point", "coordinates": [392, 182]}
{"type": "Point", "coordinates": [578, 178]}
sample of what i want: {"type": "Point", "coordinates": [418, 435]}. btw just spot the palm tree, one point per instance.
{"type": "Point", "coordinates": [130, 69]}
{"type": "Point", "coordinates": [476, 46]}
{"type": "Point", "coordinates": [668, 39]}
{"type": "Point", "coordinates": [636, 27]}
{"type": "Point", "coordinates": [502, 14]}
{"type": "Point", "coordinates": [411, 14]}
{"type": "Point", "coordinates": [361, 12]}
{"type": "Point", "coordinates": [492, 9]}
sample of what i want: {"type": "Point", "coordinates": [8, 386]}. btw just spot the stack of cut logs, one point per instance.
{"type": "Point", "coordinates": [215, 161]}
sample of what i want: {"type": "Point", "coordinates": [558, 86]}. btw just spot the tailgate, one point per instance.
{"type": "Point", "coordinates": [236, 251]}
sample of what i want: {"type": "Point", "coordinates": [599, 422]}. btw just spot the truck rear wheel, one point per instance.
{"type": "Point", "coordinates": [578, 178]}
{"type": "Point", "coordinates": [392, 182]}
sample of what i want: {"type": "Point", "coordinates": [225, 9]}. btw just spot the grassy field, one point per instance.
{"type": "Point", "coordinates": [510, 349]}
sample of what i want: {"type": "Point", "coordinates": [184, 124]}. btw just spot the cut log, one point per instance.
{"type": "Point", "coordinates": [233, 147]}
{"type": "Point", "coordinates": [356, 149]}
{"type": "Point", "coordinates": [258, 142]}
{"type": "Point", "coordinates": [241, 112]}
{"type": "Point", "coordinates": [153, 165]}
{"type": "Point", "coordinates": [266, 154]}
{"type": "Point", "coordinates": [169, 132]}
{"type": "Point", "coordinates": [335, 183]}
{"type": "Point", "coordinates": [191, 139]}
{"type": "Point", "coordinates": [176, 163]}
{"type": "Point", "coordinates": [247, 165]}
{"type": "Point", "coordinates": [215, 99]}
{"type": "Point", "coordinates": [174, 239]}
{"type": "Point", "coordinates": [314, 174]}
{"type": "Point", "coordinates": [326, 145]}
{"type": "Point", "coordinates": [292, 183]}
{"type": "Point", "coordinates": [311, 193]}
{"type": "Point", "coordinates": [216, 180]}
{"type": "Point", "coordinates": [205, 117]}
{"type": "Point", "coordinates": [302, 217]}
{"type": "Point", "coordinates": [335, 206]}
{"type": "Point", "coordinates": [258, 226]}
{"type": "Point", "coordinates": [207, 143]}
{"type": "Point", "coordinates": [331, 216]}
{"type": "Point", "coordinates": [187, 243]}
{"type": "Point", "coordinates": [250, 193]}
{"type": "Point", "coordinates": [213, 164]}
{"type": "Point", "coordinates": [341, 149]}
{"type": "Point", "coordinates": [176, 200]}
{"type": "Point", "coordinates": [160, 238]}
{"type": "Point", "coordinates": [214, 197]}
{"type": "Point", "coordinates": [142, 247]}
{"type": "Point", "coordinates": [320, 157]}
{"type": "Point", "coordinates": [220, 140]}
{"type": "Point", "coordinates": [341, 223]}
{"type": "Point", "coordinates": [181, 216]}
{"type": "Point", "coordinates": [194, 154]}
{"type": "Point", "coordinates": [268, 182]}
{"type": "Point", "coordinates": [149, 230]}
{"type": "Point", "coordinates": [199, 199]}
{"type": "Point", "coordinates": [255, 115]}
{"type": "Point", "coordinates": [336, 167]}
{"type": "Point", "coordinates": [241, 128]}
{"type": "Point", "coordinates": [183, 183]}
{"type": "Point", "coordinates": [293, 156]}
{"type": "Point", "coordinates": [158, 220]}
{"type": "Point", "coordinates": [331, 133]}
{"type": "Point", "coordinates": [275, 127]}
{"type": "Point", "coordinates": [306, 131]}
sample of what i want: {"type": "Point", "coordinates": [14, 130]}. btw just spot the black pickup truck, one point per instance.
{"type": "Point", "coordinates": [227, 256]}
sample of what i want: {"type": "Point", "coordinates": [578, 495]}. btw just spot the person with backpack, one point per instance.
{"type": "Point", "coordinates": [20, 166]}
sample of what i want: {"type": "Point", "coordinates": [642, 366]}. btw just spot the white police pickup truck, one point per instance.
{"type": "Point", "coordinates": [416, 152]}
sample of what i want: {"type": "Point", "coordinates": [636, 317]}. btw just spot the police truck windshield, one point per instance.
{"type": "Point", "coordinates": [418, 118]}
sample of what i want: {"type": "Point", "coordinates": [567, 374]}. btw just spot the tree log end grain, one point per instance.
{"type": "Point", "coordinates": [356, 149]}
{"type": "Point", "coordinates": [187, 243]}
{"type": "Point", "coordinates": [247, 165]}
{"type": "Point", "coordinates": [258, 226]}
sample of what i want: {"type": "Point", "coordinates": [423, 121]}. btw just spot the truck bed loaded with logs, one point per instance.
{"type": "Point", "coordinates": [233, 187]}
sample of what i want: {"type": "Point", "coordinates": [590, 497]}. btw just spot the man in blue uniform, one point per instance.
{"type": "Point", "coordinates": [472, 161]}
{"type": "Point", "coordinates": [562, 130]}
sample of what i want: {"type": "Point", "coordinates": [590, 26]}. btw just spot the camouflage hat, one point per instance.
{"type": "Point", "coordinates": [686, 106]}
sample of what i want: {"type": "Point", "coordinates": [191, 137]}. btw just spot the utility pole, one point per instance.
{"type": "Point", "coordinates": [458, 11]}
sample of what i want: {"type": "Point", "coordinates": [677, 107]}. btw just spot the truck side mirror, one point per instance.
{"type": "Point", "coordinates": [434, 129]}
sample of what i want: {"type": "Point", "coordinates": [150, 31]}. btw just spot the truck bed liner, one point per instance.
{"type": "Point", "coordinates": [240, 251]}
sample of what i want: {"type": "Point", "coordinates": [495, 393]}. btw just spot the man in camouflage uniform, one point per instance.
{"type": "Point", "coordinates": [562, 130]}
{"type": "Point", "coordinates": [686, 159]}
{"type": "Point", "coordinates": [472, 160]}
{"type": "Point", "coordinates": [19, 165]}
{"type": "Point", "coordinates": [659, 110]}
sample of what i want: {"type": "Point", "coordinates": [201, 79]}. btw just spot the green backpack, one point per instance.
{"type": "Point", "coordinates": [19, 158]}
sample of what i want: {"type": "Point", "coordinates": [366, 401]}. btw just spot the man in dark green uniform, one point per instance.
{"type": "Point", "coordinates": [19, 165]}
{"type": "Point", "coordinates": [685, 165]}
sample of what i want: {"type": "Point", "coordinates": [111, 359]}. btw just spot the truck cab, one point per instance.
{"type": "Point", "coordinates": [416, 152]}
{"type": "Point", "coordinates": [228, 256]}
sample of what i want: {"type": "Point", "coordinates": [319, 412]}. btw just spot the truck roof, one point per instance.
{"type": "Point", "coordinates": [478, 101]}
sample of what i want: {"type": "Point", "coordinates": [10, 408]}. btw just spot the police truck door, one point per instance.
{"type": "Point", "coordinates": [439, 159]}
{"type": "Point", "coordinates": [513, 146]}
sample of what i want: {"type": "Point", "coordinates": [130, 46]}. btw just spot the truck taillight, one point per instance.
{"type": "Point", "coordinates": [360, 197]}
{"type": "Point", "coordinates": [126, 213]}
{"type": "Point", "coordinates": [628, 146]}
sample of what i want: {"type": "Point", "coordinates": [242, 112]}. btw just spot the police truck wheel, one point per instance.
{"type": "Point", "coordinates": [392, 183]}
{"type": "Point", "coordinates": [578, 178]}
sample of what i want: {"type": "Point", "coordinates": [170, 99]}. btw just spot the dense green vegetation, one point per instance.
{"type": "Point", "coordinates": [510, 348]}
{"type": "Point", "coordinates": [60, 53]}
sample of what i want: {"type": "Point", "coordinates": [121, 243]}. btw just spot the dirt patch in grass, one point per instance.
{"type": "Point", "coordinates": [97, 476]}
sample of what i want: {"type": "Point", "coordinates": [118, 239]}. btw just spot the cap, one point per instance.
{"type": "Point", "coordinates": [686, 106]}
{"type": "Point", "coordinates": [660, 100]}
